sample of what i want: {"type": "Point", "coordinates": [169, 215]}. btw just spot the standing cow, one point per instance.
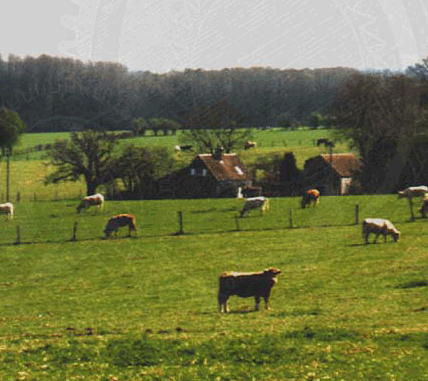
{"type": "Point", "coordinates": [311, 195]}
{"type": "Point", "coordinates": [261, 203]}
{"type": "Point", "coordinates": [94, 200]}
{"type": "Point", "coordinates": [257, 284]}
{"type": "Point", "coordinates": [118, 221]}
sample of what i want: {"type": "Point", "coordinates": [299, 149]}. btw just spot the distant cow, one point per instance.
{"type": "Point", "coordinates": [94, 200]}
{"type": "Point", "coordinates": [411, 192]}
{"type": "Point", "coordinates": [326, 142]}
{"type": "Point", "coordinates": [183, 148]}
{"type": "Point", "coordinates": [249, 145]}
{"type": "Point", "coordinates": [261, 203]}
{"type": "Point", "coordinates": [311, 195]}
{"type": "Point", "coordinates": [118, 221]}
{"type": "Point", "coordinates": [379, 226]}
{"type": "Point", "coordinates": [7, 209]}
{"type": "Point", "coordinates": [257, 284]}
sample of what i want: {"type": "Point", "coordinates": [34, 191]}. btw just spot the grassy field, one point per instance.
{"type": "Point", "coordinates": [144, 308]}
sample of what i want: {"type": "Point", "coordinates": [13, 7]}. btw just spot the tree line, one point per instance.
{"type": "Point", "coordinates": [65, 94]}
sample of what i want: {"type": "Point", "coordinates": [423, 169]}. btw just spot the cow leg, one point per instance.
{"type": "Point", "coordinates": [377, 235]}
{"type": "Point", "coordinates": [266, 299]}
{"type": "Point", "coordinates": [257, 297]}
{"type": "Point", "coordinates": [222, 302]}
{"type": "Point", "coordinates": [366, 237]}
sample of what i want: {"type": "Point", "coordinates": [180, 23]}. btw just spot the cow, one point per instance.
{"type": "Point", "coordinates": [118, 221]}
{"type": "Point", "coordinates": [249, 145]}
{"type": "Point", "coordinates": [96, 199]}
{"type": "Point", "coordinates": [379, 226]}
{"type": "Point", "coordinates": [326, 142]}
{"type": "Point", "coordinates": [311, 195]}
{"type": "Point", "coordinates": [178, 148]}
{"type": "Point", "coordinates": [411, 192]}
{"type": "Point", "coordinates": [257, 284]}
{"type": "Point", "coordinates": [7, 209]}
{"type": "Point", "coordinates": [424, 208]}
{"type": "Point", "coordinates": [261, 203]}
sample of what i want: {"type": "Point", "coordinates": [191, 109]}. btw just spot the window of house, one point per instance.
{"type": "Point", "coordinates": [192, 171]}
{"type": "Point", "coordinates": [204, 172]}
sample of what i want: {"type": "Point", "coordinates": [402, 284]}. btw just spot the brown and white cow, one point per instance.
{"type": "Point", "coordinates": [94, 200]}
{"type": "Point", "coordinates": [261, 203]}
{"type": "Point", "coordinates": [249, 145]}
{"type": "Point", "coordinates": [311, 195]}
{"type": "Point", "coordinates": [257, 284]}
{"type": "Point", "coordinates": [118, 221]}
{"type": "Point", "coordinates": [379, 226]}
{"type": "Point", "coordinates": [7, 209]}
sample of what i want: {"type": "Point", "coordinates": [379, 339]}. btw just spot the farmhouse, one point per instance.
{"type": "Point", "coordinates": [208, 175]}
{"type": "Point", "coordinates": [331, 174]}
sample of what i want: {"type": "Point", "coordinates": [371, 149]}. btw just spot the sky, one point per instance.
{"type": "Point", "coordinates": [165, 35]}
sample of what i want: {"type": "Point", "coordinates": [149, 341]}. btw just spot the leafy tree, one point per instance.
{"type": "Point", "coordinates": [11, 127]}
{"type": "Point", "coordinates": [89, 154]}
{"type": "Point", "coordinates": [218, 125]}
{"type": "Point", "coordinates": [315, 119]}
{"type": "Point", "coordinates": [139, 126]}
{"type": "Point", "coordinates": [139, 168]}
{"type": "Point", "coordinates": [381, 114]}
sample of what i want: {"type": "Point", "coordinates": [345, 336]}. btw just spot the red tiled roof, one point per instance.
{"type": "Point", "coordinates": [229, 167]}
{"type": "Point", "coordinates": [343, 163]}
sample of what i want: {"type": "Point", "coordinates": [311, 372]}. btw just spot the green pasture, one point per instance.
{"type": "Point", "coordinates": [145, 307]}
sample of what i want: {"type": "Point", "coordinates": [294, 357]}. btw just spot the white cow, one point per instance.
{"type": "Point", "coordinates": [261, 203]}
{"type": "Point", "coordinates": [7, 209]}
{"type": "Point", "coordinates": [411, 192]}
{"type": "Point", "coordinates": [96, 199]}
{"type": "Point", "coordinates": [379, 226]}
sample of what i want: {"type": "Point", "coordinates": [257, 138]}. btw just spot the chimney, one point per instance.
{"type": "Point", "coordinates": [218, 153]}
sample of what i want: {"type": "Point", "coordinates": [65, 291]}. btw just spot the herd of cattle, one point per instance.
{"type": "Point", "coordinates": [252, 284]}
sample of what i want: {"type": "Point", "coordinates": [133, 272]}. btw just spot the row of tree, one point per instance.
{"type": "Point", "coordinates": [385, 115]}
{"type": "Point", "coordinates": [64, 94]}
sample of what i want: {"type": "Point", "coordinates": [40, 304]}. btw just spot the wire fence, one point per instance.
{"type": "Point", "coordinates": [58, 221]}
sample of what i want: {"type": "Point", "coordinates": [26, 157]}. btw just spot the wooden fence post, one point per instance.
{"type": "Point", "coordinates": [73, 238]}
{"type": "Point", "coordinates": [180, 221]}
{"type": "Point", "coordinates": [291, 217]}
{"type": "Point", "coordinates": [357, 213]}
{"type": "Point", "coordinates": [18, 235]}
{"type": "Point", "coordinates": [238, 228]}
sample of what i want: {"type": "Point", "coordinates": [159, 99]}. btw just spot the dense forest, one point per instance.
{"type": "Point", "coordinates": [63, 94]}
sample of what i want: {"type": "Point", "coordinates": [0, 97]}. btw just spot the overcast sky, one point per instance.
{"type": "Point", "coordinates": [165, 35]}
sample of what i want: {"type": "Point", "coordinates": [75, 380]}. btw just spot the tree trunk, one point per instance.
{"type": "Point", "coordinates": [91, 187]}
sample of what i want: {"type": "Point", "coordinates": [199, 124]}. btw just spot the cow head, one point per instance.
{"type": "Point", "coordinates": [272, 272]}
{"type": "Point", "coordinates": [396, 235]}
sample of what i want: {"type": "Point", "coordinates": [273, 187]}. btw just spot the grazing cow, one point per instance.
{"type": "Point", "coordinates": [257, 284]}
{"type": "Point", "coordinates": [7, 209]}
{"type": "Point", "coordinates": [379, 226]}
{"type": "Point", "coordinates": [311, 195]}
{"type": "Point", "coordinates": [183, 148]}
{"type": "Point", "coordinates": [261, 203]}
{"type": "Point", "coordinates": [326, 142]}
{"type": "Point", "coordinates": [118, 221]}
{"type": "Point", "coordinates": [411, 192]}
{"type": "Point", "coordinates": [96, 199]}
{"type": "Point", "coordinates": [249, 145]}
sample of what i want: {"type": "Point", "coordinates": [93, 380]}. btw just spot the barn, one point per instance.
{"type": "Point", "coordinates": [331, 174]}
{"type": "Point", "coordinates": [208, 175]}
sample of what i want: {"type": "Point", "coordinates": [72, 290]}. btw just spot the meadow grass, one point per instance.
{"type": "Point", "coordinates": [145, 307]}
